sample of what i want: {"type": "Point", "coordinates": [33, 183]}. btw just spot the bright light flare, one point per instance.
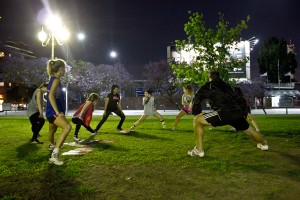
{"type": "Point", "coordinates": [113, 54]}
{"type": "Point", "coordinates": [81, 36]}
{"type": "Point", "coordinates": [42, 35]}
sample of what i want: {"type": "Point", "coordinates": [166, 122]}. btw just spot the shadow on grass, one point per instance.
{"type": "Point", "coordinates": [60, 182]}
{"type": "Point", "coordinates": [292, 158]}
{"type": "Point", "coordinates": [29, 153]}
{"type": "Point", "coordinates": [145, 136]}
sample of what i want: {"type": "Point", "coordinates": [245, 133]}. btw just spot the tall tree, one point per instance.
{"type": "Point", "coordinates": [274, 59]}
{"type": "Point", "coordinates": [160, 77]}
{"type": "Point", "coordinates": [212, 49]}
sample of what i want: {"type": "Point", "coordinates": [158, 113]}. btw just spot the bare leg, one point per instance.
{"type": "Point", "coordinates": [52, 130]}
{"type": "Point", "coordinates": [158, 116]}
{"type": "Point", "coordinates": [142, 118]}
{"type": "Point", "coordinates": [253, 121]}
{"type": "Point", "coordinates": [179, 115]}
{"type": "Point", "coordinates": [255, 135]}
{"type": "Point", "coordinates": [63, 123]}
{"type": "Point", "coordinates": [199, 123]}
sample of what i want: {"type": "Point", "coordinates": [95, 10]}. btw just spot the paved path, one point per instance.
{"type": "Point", "coordinates": [166, 112]}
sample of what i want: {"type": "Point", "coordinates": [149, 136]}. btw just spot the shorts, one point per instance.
{"type": "Point", "coordinates": [233, 118]}
{"type": "Point", "coordinates": [52, 118]}
{"type": "Point", "coordinates": [187, 109]}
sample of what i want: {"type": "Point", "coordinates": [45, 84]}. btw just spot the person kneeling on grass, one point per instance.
{"type": "Point", "coordinates": [149, 109]}
{"type": "Point", "coordinates": [84, 114]}
{"type": "Point", "coordinates": [228, 112]}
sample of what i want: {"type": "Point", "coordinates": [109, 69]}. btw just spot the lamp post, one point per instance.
{"type": "Point", "coordinates": [57, 33]}
{"type": "Point", "coordinates": [114, 55]}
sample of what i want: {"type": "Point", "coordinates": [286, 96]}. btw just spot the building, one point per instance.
{"type": "Point", "coordinates": [10, 49]}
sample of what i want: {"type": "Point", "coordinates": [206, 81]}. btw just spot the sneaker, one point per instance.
{"type": "Point", "coordinates": [95, 133]}
{"type": "Point", "coordinates": [76, 138]}
{"type": "Point", "coordinates": [164, 126]}
{"type": "Point", "coordinates": [263, 147]}
{"type": "Point", "coordinates": [51, 147]}
{"type": "Point", "coordinates": [55, 160]}
{"type": "Point", "coordinates": [195, 152]}
{"type": "Point", "coordinates": [173, 129]}
{"type": "Point", "coordinates": [36, 142]}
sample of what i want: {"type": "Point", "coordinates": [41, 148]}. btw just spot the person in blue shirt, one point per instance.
{"type": "Point", "coordinates": [55, 109]}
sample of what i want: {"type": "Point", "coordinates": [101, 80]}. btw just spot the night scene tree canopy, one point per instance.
{"type": "Point", "coordinates": [212, 47]}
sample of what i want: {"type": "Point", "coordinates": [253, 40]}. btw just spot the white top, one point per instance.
{"type": "Point", "coordinates": [149, 106]}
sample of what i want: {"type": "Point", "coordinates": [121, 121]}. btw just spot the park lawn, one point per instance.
{"type": "Point", "coordinates": [152, 163]}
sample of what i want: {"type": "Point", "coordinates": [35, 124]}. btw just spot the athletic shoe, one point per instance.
{"type": "Point", "coordinates": [263, 147]}
{"type": "Point", "coordinates": [36, 142]}
{"type": "Point", "coordinates": [55, 160]}
{"type": "Point", "coordinates": [164, 126]}
{"type": "Point", "coordinates": [195, 152]}
{"type": "Point", "coordinates": [76, 138]}
{"type": "Point", "coordinates": [95, 133]}
{"type": "Point", "coordinates": [51, 147]}
{"type": "Point", "coordinates": [174, 129]}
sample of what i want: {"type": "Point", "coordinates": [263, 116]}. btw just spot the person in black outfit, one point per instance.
{"type": "Point", "coordinates": [112, 104]}
{"type": "Point", "coordinates": [227, 111]}
{"type": "Point", "coordinates": [246, 108]}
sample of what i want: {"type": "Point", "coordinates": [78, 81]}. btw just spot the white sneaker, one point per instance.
{"type": "Point", "coordinates": [164, 126]}
{"type": "Point", "coordinates": [51, 147]}
{"type": "Point", "coordinates": [95, 133]}
{"type": "Point", "coordinates": [195, 152]}
{"type": "Point", "coordinates": [55, 160]}
{"type": "Point", "coordinates": [76, 138]}
{"type": "Point", "coordinates": [263, 147]}
{"type": "Point", "coordinates": [173, 129]}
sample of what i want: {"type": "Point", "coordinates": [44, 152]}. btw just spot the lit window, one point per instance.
{"type": "Point", "coordinates": [1, 84]}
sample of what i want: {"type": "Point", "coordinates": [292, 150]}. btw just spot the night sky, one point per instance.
{"type": "Point", "coordinates": [140, 30]}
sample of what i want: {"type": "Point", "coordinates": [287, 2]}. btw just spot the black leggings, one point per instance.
{"type": "Point", "coordinates": [37, 124]}
{"type": "Point", "coordinates": [108, 112]}
{"type": "Point", "coordinates": [78, 123]}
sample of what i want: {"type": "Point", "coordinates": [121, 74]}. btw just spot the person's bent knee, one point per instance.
{"type": "Point", "coordinates": [67, 127]}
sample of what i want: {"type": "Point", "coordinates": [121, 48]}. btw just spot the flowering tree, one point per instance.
{"type": "Point", "coordinates": [160, 77]}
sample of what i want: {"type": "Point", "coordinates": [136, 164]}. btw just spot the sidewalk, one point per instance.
{"type": "Point", "coordinates": [164, 112]}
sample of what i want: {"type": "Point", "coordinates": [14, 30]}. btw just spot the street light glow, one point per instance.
{"type": "Point", "coordinates": [113, 54]}
{"type": "Point", "coordinates": [80, 36]}
{"type": "Point", "coordinates": [57, 33]}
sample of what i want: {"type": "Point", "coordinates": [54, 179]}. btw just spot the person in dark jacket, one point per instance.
{"type": "Point", "coordinates": [227, 111]}
{"type": "Point", "coordinates": [112, 104]}
{"type": "Point", "coordinates": [246, 108]}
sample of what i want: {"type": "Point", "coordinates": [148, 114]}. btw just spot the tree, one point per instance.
{"type": "Point", "coordinates": [212, 47]}
{"type": "Point", "coordinates": [252, 91]}
{"type": "Point", "coordinates": [88, 77]}
{"type": "Point", "coordinates": [274, 58]}
{"type": "Point", "coordinates": [30, 73]}
{"type": "Point", "coordinates": [160, 77]}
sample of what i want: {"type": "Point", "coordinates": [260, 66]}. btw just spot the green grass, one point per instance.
{"type": "Point", "coordinates": [152, 163]}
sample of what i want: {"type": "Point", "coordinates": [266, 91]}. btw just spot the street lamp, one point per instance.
{"type": "Point", "coordinates": [114, 55]}
{"type": "Point", "coordinates": [57, 33]}
{"type": "Point", "coordinates": [252, 41]}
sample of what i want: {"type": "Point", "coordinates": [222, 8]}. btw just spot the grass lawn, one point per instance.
{"type": "Point", "coordinates": [152, 163]}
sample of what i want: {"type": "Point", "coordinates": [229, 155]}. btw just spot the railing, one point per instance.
{"type": "Point", "coordinates": [281, 85]}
